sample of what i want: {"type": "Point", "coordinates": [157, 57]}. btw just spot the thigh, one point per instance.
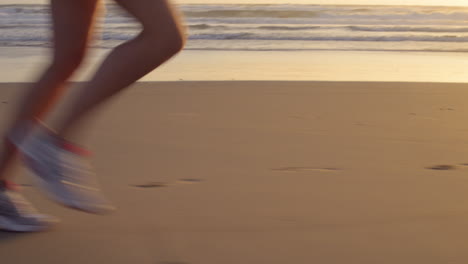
{"type": "Point", "coordinates": [72, 26]}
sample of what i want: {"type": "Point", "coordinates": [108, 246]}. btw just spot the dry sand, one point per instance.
{"type": "Point", "coordinates": [268, 172]}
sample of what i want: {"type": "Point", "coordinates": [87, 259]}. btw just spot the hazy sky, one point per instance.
{"type": "Point", "coordinates": [371, 2]}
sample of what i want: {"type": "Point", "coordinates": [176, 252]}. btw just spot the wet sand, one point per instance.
{"type": "Point", "coordinates": [268, 172]}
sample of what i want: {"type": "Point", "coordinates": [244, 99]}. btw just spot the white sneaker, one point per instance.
{"type": "Point", "coordinates": [63, 171]}
{"type": "Point", "coordinates": [18, 215]}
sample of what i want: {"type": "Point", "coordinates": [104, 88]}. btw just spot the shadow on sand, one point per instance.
{"type": "Point", "coordinates": [6, 236]}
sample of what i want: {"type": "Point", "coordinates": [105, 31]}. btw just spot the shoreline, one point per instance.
{"type": "Point", "coordinates": [23, 64]}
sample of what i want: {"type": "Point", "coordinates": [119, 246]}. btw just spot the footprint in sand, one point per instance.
{"type": "Point", "coordinates": [301, 169]}
{"type": "Point", "coordinates": [442, 167]}
{"type": "Point", "coordinates": [189, 181]}
{"type": "Point", "coordinates": [166, 184]}
{"type": "Point", "coordinates": [151, 185]}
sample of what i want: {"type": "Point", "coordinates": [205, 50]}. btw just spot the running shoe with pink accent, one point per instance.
{"type": "Point", "coordinates": [63, 170]}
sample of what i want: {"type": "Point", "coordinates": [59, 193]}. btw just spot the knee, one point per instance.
{"type": "Point", "coordinates": [176, 41]}
{"type": "Point", "coordinates": [170, 41]}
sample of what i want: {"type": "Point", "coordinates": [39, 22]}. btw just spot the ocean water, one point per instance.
{"type": "Point", "coordinates": [267, 42]}
{"type": "Point", "coordinates": [271, 27]}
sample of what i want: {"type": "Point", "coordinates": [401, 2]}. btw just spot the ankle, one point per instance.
{"type": "Point", "coordinates": [67, 144]}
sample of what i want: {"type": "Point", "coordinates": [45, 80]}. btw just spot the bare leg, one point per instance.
{"type": "Point", "coordinates": [72, 22]}
{"type": "Point", "coordinates": [160, 39]}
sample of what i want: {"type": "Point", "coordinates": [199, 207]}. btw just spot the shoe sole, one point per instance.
{"type": "Point", "coordinates": [10, 226]}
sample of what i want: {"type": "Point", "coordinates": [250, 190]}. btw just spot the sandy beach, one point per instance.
{"type": "Point", "coordinates": [267, 172]}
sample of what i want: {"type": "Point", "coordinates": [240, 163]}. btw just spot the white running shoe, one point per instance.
{"type": "Point", "coordinates": [63, 171]}
{"type": "Point", "coordinates": [18, 215]}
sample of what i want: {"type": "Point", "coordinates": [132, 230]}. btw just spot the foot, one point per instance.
{"type": "Point", "coordinates": [63, 171]}
{"type": "Point", "coordinates": [18, 215]}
